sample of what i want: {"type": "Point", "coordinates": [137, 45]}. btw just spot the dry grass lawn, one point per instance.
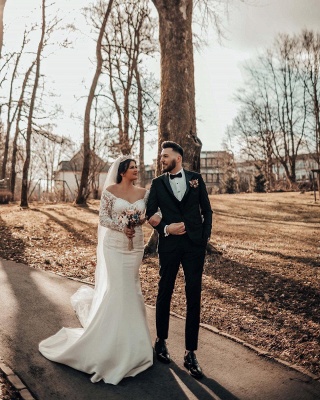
{"type": "Point", "coordinates": [263, 287]}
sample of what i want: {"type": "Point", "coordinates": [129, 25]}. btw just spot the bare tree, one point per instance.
{"type": "Point", "coordinates": [254, 127]}
{"type": "Point", "coordinates": [129, 40]}
{"type": "Point", "coordinates": [17, 130]}
{"type": "Point", "coordinates": [273, 117]}
{"type": "Point", "coordinates": [141, 127]}
{"type": "Point", "coordinates": [83, 188]}
{"type": "Point", "coordinates": [24, 187]}
{"type": "Point", "coordinates": [177, 114]}
{"type": "Point", "coordinates": [128, 91]}
{"type": "Point", "coordinates": [309, 67]}
{"type": "Point", "coordinates": [5, 65]}
{"type": "Point", "coordinates": [99, 149]}
{"type": "Point", "coordinates": [290, 100]}
{"type": "Point", "coordinates": [12, 106]}
{"type": "Point", "coordinates": [2, 4]}
{"type": "Point", "coordinates": [48, 148]}
{"type": "Point", "coordinates": [177, 118]}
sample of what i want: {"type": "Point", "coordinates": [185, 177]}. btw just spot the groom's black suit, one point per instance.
{"type": "Point", "coordinates": [189, 249]}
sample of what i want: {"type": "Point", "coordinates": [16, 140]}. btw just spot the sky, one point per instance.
{"type": "Point", "coordinates": [249, 28]}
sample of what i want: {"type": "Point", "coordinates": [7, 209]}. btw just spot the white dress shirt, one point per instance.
{"type": "Point", "coordinates": [178, 185]}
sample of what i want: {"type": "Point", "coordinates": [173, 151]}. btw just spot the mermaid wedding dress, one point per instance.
{"type": "Point", "coordinates": [114, 341]}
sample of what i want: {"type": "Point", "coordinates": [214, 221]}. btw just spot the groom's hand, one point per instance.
{"type": "Point", "coordinates": [176, 228]}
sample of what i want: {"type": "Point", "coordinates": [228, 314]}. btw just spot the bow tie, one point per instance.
{"type": "Point", "coordinates": [179, 175]}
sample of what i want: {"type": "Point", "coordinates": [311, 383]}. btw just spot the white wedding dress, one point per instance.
{"type": "Point", "coordinates": [114, 342]}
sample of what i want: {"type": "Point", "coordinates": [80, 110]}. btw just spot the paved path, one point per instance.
{"type": "Point", "coordinates": [34, 304]}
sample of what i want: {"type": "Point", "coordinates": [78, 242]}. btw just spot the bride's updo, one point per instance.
{"type": "Point", "coordinates": [123, 167]}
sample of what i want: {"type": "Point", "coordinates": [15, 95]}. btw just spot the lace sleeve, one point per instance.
{"type": "Point", "coordinates": [146, 196]}
{"type": "Point", "coordinates": [107, 217]}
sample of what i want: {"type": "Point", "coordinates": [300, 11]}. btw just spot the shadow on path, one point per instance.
{"type": "Point", "coordinates": [206, 388]}
{"type": "Point", "coordinates": [11, 247]}
{"type": "Point", "coordinates": [284, 293]}
{"type": "Point", "coordinates": [29, 323]}
{"type": "Point", "coordinates": [68, 227]}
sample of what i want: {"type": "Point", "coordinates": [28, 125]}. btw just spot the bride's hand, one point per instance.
{"type": "Point", "coordinates": [129, 232]}
{"type": "Point", "coordinates": [142, 221]}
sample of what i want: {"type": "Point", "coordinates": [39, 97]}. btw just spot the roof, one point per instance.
{"type": "Point", "coordinates": [76, 163]}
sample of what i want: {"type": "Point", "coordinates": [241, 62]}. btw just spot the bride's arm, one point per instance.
{"type": "Point", "coordinates": [107, 217]}
{"type": "Point", "coordinates": [156, 218]}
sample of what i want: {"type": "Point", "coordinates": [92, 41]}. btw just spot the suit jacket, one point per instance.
{"type": "Point", "coordinates": [194, 209]}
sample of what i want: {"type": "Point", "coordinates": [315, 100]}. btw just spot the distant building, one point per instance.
{"type": "Point", "coordinates": [149, 173]}
{"type": "Point", "coordinates": [304, 164]}
{"type": "Point", "coordinates": [216, 167]}
{"type": "Point", "coordinates": [246, 171]}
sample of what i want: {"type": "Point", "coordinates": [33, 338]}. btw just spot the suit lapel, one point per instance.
{"type": "Point", "coordinates": [165, 179]}
{"type": "Point", "coordinates": [188, 176]}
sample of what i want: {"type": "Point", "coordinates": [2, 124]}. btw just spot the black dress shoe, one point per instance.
{"type": "Point", "coordinates": [192, 365]}
{"type": "Point", "coordinates": [162, 351]}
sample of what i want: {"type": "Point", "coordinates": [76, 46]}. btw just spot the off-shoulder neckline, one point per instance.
{"type": "Point", "coordinates": [129, 202]}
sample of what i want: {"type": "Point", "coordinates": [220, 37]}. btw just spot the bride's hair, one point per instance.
{"type": "Point", "coordinates": [123, 167]}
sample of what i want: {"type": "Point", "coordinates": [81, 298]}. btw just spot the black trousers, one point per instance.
{"type": "Point", "coordinates": [191, 257]}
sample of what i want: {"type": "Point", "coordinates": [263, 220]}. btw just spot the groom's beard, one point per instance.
{"type": "Point", "coordinates": [169, 167]}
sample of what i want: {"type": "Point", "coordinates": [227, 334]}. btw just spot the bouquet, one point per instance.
{"type": "Point", "coordinates": [132, 218]}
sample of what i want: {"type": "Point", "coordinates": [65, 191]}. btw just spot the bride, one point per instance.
{"type": "Point", "coordinates": [114, 341]}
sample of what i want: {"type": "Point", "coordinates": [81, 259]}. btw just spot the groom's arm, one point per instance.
{"type": "Point", "coordinates": [206, 210]}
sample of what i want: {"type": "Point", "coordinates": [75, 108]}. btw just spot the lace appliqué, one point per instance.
{"type": "Point", "coordinates": [109, 214]}
{"type": "Point", "coordinates": [108, 217]}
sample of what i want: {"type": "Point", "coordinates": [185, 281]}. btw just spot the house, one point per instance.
{"type": "Point", "coordinates": [68, 174]}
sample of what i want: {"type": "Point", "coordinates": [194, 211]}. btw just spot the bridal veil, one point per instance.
{"type": "Point", "coordinates": [87, 300]}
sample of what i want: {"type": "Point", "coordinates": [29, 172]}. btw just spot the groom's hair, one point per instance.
{"type": "Point", "coordinates": [172, 145]}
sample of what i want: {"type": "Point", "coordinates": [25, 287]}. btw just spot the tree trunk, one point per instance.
{"type": "Point", "coordinates": [177, 116]}
{"type": "Point", "coordinates": [17, 131]}
{"type": "Point", "coordinates": [141, 130]}
{"type": "Point", "coordinates": [24, 188]}
{"type": "Point", "coordinates": [177, 119]}
{"type": "Point", "coordinates": [83, 188]}
{"type": "Point", "coordinates": [10, 118]}
{"type": "Point", "coordinates": [2, 4]}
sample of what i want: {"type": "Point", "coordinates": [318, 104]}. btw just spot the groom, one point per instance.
{"type": "Point", "coordinates": [184, 230]}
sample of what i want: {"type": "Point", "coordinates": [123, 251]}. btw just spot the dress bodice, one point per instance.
{"type": "Point", "coordinates": [114, 211]}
